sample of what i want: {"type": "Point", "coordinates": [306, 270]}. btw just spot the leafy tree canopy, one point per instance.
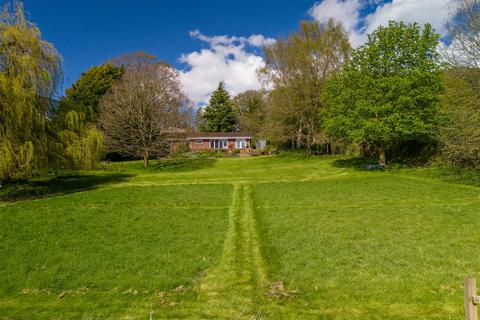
{"type": "Point", "coordinates": [459, 132]}
{"type": "Point", "coordinates": [85, 94]}
{"type": "Point", "coordinates": [389, 90]}
{"type": "Point", "coordinates": [298, 68]}
{"type": "Point", "coordinates": [250, 108]}
{"type": "Point", "coordinates": [30, 71]}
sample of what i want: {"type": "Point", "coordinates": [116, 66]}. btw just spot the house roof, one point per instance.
{"type": "Point", "coordinates": [218, 135]}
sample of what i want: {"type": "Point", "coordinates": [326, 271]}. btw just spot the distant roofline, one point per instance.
{"type": "Point", "coordinates": [218, 135]}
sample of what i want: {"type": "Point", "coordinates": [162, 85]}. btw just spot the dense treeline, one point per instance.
{"type": "Point", "coordinates": [39, 133]}
{"type": "Point", "coordinates": [396, 96]}
{"type": "Point", "coordinates": [325, 96]}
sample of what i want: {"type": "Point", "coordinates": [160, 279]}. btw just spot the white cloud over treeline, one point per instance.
{"type": "Point", "coordinates": [235, 60]}
{"type": "Point", "coordinates": [229, 59]}
{"type": "Point", "coordinates": [359, 26]}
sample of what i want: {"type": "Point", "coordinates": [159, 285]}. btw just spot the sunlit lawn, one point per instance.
{"type": "Point", "coordinates": [121, 244]}
{"type": "Point", "coordinates": [130, 243]}
{"type": "Point", "coordinates": [372, 247]}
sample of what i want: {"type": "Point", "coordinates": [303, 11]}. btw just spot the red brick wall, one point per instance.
{"type": "Point", "coordinates": [205, 145]}
{"type": "Point", "coordinates": [194, 146]}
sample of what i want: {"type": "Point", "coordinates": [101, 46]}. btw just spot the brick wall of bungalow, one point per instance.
{"type": "Point", "coordinates": [195, 145]}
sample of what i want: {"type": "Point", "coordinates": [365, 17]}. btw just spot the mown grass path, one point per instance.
{"type": "Point", "coordinates": [237, 287]}
{"type": "Point", "coordinates": [185, 243]}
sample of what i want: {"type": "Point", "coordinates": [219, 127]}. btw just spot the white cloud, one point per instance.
{"type": "Point", "coordinates": [255, 40]}
{"type": "Point", "coordinates": [424, 11]}
{"type": "Point", "coordinates": [346, 12]}
{"type": "Point", "coordinates": [226, 59]}
{"type": "Point", "coordinates": [349, 13]}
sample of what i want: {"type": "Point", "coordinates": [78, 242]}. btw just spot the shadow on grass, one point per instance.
{"type": "Point", "coordinates": [35, 189]}
{"type": "Point", "coordinates": [362, 164]}
{"type": "Point", "coordinates": [185, 164]}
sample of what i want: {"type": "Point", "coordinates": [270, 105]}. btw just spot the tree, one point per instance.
{"type": "Point", "coordinates": [79, 144]}
{"type": "Point", "coordinates": [85, 94]}
{"type": "Point", "coordinates": [459, 132]}
{"type": "Point", "coordinates": [464, 29]}
{"type": "Point", "coordinates": [298, 68]}
{"type": "Point", "coordinates": [142, 111]}
{"type": "Point", "coordinates": [250, 108]}
{"type": "Point", "coordinates": [199, 120]}
{"type": "Point", "coordinates": [389, 91]}
{"type": "Point", "coordinates": [30, 70]}
{"type": "Point", "coordinates": [219, 115]}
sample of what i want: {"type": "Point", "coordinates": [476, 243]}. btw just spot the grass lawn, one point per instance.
{"type": "Point", "coordinates": [248, 238]}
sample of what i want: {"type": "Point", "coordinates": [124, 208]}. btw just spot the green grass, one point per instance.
{"type": "Point", "coordinates": [116, 240]}
{"type": "Point", "coordinates": [239, 238]}
{"type": "Point", "coordinates": [381, 247]}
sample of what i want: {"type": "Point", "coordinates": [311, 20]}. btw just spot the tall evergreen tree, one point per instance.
{"type": "Point", "coordinates": [220, 113]}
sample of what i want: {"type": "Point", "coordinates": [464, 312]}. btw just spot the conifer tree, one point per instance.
{"type": "Point", "coordinates": [220, 113]}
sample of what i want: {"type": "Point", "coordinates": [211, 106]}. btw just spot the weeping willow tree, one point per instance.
{"type": "Point", "coordinates": [79, 143]}
{"type": "Point", "coordinates": [30, 68]}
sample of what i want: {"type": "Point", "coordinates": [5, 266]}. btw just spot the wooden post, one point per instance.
{"type": "Point", "coordinates": [471, 299]}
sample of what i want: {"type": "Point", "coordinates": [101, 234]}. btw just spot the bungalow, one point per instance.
{"type": "Point", "coordinates": [219, 140]}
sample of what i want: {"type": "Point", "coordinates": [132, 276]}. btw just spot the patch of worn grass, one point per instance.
{"type": "Point", "coordinates": [234, 289]}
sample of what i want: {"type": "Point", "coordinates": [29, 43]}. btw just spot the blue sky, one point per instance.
{"type": "Point", "coordinates": [88, 32]}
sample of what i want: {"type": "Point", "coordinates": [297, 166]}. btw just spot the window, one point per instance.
{"type": "Point", "coordinates": [218, 144]}
{"type": "Point", "coordinates": [198, 141]}
{"type": "Point", "coordinates": [241, 144]}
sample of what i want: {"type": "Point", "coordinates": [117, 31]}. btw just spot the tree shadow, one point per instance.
{"type": "Point", "coordinates": [361, 164]}
{"type": "Point", "coordinates": [36, 189]}
{"type": "Point", "coordinates": [184, 164]}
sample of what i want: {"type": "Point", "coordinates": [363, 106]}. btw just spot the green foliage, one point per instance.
{"type": "Point", "coordinates": [298, 68]}
{"type": "Point", "coordinates": [85, 94]}
{"type": "Point", "coordinates": [250, 108]}
{"type": "Point", "coordinates": [30, 69]}
{"type": "Point", "coordinates": [220, 113]}
{"type": "Point", "coordinates": [389, 91]}
{"type": "Point", "coordinates": [82, 143]}
{"type": "Point", "coordinates": [459, 133]}
{"type": "Point", "coordinates": [78, 144]}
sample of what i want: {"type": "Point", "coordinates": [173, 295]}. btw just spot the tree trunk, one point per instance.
{"type": "Point", "coordinates": [381, 156]}
{"type": "Point", "coordinates": [309, 143]}
{"type": "Point", "coordinates": [145, 158]}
